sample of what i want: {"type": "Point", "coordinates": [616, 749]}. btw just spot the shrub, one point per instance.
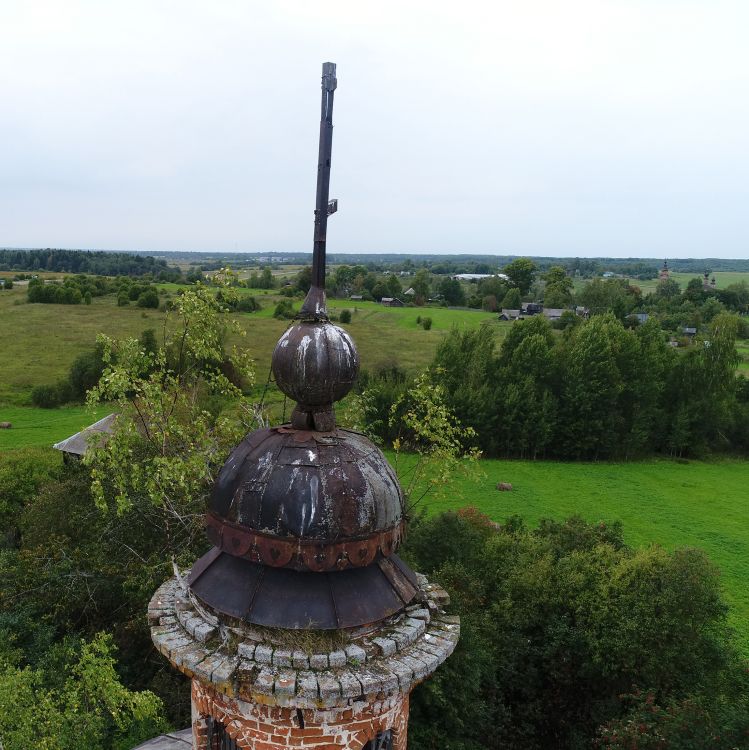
{"type": "Point", "coordinates": [511, 300]}
{"type": "Point", "coordinates": [247, 304]}
{"type": "Point", "coordinates": [85, 372]}
{"type": "Point", "coordinates": [8, 283]}
{"type": "Point", "coordinates": [149, 298]}
{"type": "Point", "coordinates": [679, 725]}
{"type": "Point", "coordinates": [284, 310]}
{"type": "Point", "coordinates": [426, 323]}
{"type": "Point", "coordinates": [46, 396]}
{"type": "Point", "coordinates": [87, 707]}
{"type": "Point", "coordinates": [122, 299]}
{"type": "Point", "coordinates": [65, 392]}
{"type": "Point", "coordinates": [22, 472]}
{"type": "Point", "coordinates": [345, 316]}
{"type": "Point", "coordinates": [567, 319]}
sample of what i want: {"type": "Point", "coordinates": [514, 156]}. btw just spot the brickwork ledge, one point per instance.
{"type": "Point", "coordinates": [257, 665]}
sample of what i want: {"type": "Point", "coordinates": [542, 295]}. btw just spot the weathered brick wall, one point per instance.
{"type": "Point", "coordinates": [256, 726]}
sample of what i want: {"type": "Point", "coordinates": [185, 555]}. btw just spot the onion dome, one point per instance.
{"type": "Point", "coordinates": [305, 518]}
{"type": "Point", "coordinates": [306, 500]}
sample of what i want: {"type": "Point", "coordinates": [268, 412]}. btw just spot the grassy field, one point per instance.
{"type": "Point", "coordinates": [695, 504]}
{"type": "Point", "coordinates": [722, 280]}
{"type": "Point", "coordinates": [45, 339]}
{"type": "Point", "coordinates": [43, 427]}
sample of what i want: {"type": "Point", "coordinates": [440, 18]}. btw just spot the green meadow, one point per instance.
{"type": "Point", "coordinates": [45, 339]}
{"type": "Point", "coordinates": [43, 427]}
{"type": "Point", "coordinates": [671, 503]}
{"type": "Point", "coordinates": [722, 280]}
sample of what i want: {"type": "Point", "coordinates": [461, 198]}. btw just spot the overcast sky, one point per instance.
{"type": "Point", "coordinates": [539, 127]}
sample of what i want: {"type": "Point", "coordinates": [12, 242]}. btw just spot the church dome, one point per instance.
{"type": "Point", "coordinates": [306, 500]}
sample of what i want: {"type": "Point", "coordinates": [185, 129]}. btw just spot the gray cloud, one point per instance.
{"type": "Point", "coordinates": [587, 127]}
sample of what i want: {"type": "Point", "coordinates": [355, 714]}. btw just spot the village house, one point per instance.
{"type": "Point", "coordinates": [392, 302]}
{"type": "Point", "coordinates": [553, 313]}
{"type": "Point", "coordinates": [531, 308]}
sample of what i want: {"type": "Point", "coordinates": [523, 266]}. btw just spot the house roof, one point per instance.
{"type": "Point", "coordinates": [79, 443]}
{"type": "Point", "coordinates": [553, 312]}
{"type": "Point", "coordinates": [689, 329]}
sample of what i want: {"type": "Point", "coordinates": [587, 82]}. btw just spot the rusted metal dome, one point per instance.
{"type": "Point", "coordinates": [306, 518]}
{"type": "Point", "coordinates": [306, 500]}
{"type": "Point", "coordinates": [315, 363]}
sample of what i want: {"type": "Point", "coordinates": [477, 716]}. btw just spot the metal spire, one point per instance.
{"type": "Point", "coordinates": [314, 304]}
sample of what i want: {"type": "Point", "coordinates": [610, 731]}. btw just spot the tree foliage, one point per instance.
{"type": "Point", "coordinates": [598, 390]}
{"type": "Point", "coordinates": [168, 442]}
{"type": "Point", "coordinates": [521, 272]}
{"type": "Point", "coordinates": [83, 706]}
{"type": "Point", "coordinates": [558, 625]}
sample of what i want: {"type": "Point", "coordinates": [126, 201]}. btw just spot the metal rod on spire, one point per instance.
{"type": "Point", "coordinates": [314, 304]}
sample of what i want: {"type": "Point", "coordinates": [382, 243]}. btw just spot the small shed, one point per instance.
{"type": "Point", "coordinates": [508, 314]}
{"type": "Point", "coordinates": [392, 302]}
{"type": "Point", "coordinates": [641, 317]}
{"type": "Point", "coordinates": [98, 433]}
{"type": "Point", "coordinates": [356, 297]}
{"type": "Point", "coordinates": [410, 292]}
{"type": "Point", "coordinates": [689, 331]}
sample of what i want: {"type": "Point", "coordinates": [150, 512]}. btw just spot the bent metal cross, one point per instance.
{"type": "Point", "coordinates": [301, 627]}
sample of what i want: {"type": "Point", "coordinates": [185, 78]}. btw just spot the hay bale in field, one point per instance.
{"type": "Point", "coordinates": [504, 487]}
{"type": "Point", "coordinates": [5, 425]}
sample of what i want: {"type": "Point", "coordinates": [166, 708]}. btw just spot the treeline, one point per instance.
{"type": "Point", "coordinates": [596, 391]}
{"type": "Point", "coordinates": [434, 285]}
{"type": "Point", "coordinates": [460, 263]}
{"type": "Point", "coordinates": [88, 261]}
{"type": "Point", "coordinates": [694, 306]}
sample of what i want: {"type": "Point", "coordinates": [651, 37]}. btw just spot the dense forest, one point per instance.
{"type": "Point", "coordinates": [600, 390]}
{"type": "Point", "coordinates": [87, 261]}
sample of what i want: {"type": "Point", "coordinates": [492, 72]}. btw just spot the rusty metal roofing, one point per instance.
{"type": "Point", "coordinates": [307, 485]}
{"type": "Point", "coordinates": [283, 598]}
